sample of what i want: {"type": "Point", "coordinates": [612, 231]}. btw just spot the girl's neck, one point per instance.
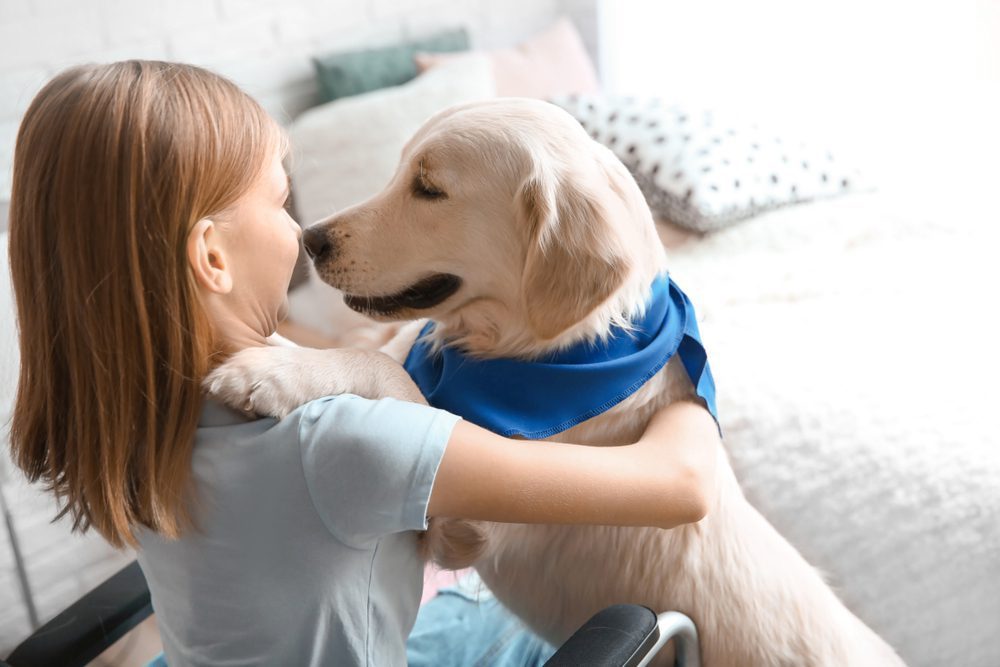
{"type": "Point", "coordinates": [235, 332]}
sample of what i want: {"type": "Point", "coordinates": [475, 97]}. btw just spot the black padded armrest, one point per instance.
{"type": "Point", "coordinates": [90, 625]}
{"type": "Point", "coordinates": [619, 636]}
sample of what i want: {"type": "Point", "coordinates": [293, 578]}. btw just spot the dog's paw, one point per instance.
{"type": "Point", "coordinates": [260, 380]}
{"type": "Point", "coordinates": [274, 381]}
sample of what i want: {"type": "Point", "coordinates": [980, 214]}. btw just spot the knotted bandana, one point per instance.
{"type": "Point", "coordinates": [541, 397]}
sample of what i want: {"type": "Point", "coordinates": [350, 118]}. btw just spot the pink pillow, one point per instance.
{"type": "Point", "coordinates": [551, 63]}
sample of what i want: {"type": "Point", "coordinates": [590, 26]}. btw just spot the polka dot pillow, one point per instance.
{"type": "Point", "coordinates": [702, 172]}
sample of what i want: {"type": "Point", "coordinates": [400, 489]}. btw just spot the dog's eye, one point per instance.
{"type": "Point", "coordinates": [425, 190]}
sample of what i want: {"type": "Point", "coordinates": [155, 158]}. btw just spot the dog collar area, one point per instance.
{"type": "Point", "coordinates": [539, 398]}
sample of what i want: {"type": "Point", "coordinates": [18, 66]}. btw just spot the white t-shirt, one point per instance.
{"type": "Point", "coordinates": [304, 551]}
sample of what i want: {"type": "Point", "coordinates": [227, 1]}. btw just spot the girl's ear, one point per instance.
{"type": "Point", "coordinates": [208, 258]}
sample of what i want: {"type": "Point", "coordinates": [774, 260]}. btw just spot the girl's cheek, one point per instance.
{"type": "Point", "coordinates": [292, 255]}
{"type": "Point", "coordinates": [296, 227]}
{"type": "Point", "coordinates": [296, 233]}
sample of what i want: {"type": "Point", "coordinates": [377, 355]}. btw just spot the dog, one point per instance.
{"type": "Point", "coordinates": [518, 235]}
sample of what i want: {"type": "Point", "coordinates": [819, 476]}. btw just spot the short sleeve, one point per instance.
{"type": "Point", "coordinates": [370, 465]}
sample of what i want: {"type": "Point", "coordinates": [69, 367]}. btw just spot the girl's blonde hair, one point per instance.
{"type": "Point", "coordinates": [113, 166]}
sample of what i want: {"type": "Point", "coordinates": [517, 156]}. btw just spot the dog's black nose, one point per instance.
{"type": "Point", "coordinates": [319, 246]}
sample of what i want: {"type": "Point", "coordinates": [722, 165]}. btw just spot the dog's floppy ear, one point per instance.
{"type": "Point", "coordinates": [575, 258]}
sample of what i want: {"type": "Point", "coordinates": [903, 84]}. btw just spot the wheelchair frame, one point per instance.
{"type": "Point", "coordinates": [625, 635]}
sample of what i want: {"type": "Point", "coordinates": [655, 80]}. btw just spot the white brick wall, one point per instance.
{"type": "Point", "coordinates": [264, 45]}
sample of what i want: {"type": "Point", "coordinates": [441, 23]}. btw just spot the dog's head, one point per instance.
{"type": "Point", "coordinates": [502, 216]}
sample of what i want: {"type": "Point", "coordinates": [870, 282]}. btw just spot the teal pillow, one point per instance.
{"type": "Point", "coordinates": [355, 72]}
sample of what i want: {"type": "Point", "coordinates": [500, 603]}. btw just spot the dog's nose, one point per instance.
{"type": "Point", "coordinates": [319, 246]}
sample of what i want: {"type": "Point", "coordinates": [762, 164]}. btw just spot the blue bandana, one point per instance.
{"type": "Point", "coordinates": [539, 398]}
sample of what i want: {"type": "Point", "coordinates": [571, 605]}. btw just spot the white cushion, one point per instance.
{"type": "Point", "coordinates": [346, 151]}
{"type": "Point", "coordinates": [705, 170]}
{"type": "Point", "coordinates": [855, 355]}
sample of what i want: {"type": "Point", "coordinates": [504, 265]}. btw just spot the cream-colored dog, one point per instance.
{"type": "Point", "coordinates": [518, 234]}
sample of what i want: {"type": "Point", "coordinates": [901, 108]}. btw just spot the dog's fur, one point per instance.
{"type": "Point", "coordinates": [554, 243]}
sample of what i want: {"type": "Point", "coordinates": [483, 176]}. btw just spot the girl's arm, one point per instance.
{"type": "Point", "coordinates": [665, 479]}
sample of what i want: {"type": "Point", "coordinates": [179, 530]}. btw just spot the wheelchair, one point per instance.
{"type": "Point", "coordinates": [624, 635]}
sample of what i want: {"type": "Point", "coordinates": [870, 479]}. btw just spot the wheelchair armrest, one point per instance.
{"type": "Point", "coordinates": [620, 635]}
{"type": "Point", "coordinates": [90, 625]}
{"type": "Point", "coordinates": [629, 635]}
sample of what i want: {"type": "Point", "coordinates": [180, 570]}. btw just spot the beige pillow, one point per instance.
{"type": "Point", "coordinates": [551, 63]}
{"type": "Point", "coordinates": [345, 151]}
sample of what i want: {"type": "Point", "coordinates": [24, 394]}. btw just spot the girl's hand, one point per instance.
{"type": "Point", "coordinates": [273, 381]}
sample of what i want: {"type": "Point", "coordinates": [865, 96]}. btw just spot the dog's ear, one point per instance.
{"type": "Point", "coordinates": [576, 258]}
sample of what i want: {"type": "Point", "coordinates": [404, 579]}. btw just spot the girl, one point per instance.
{"type": "Point", "coordinates": [149, 241]}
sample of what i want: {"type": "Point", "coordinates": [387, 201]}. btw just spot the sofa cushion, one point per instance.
{"type": "Point", "coordinates": [347, 73]}
{"type": "Point", "coordinates": [553, 62]}
{"type": "Point", "coordinates": [855, 357]}
{"type": "Point", "coordinates": [704, 170]}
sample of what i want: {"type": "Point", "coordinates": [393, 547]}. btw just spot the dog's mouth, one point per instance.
{"type": "Point", "coordinates": [423, 294]}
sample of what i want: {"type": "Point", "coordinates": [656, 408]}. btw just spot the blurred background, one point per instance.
{"type": "Point", "coordinates": [739, 101]}
{"type": "Point", "coordinates": [910, 86]}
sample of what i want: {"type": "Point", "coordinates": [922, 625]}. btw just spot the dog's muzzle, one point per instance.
{"type": "Point", "coordinates": [424, 294]}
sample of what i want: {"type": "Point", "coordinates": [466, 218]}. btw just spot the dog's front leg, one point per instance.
{"type": "Point", "coordinates": [273, 381]}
